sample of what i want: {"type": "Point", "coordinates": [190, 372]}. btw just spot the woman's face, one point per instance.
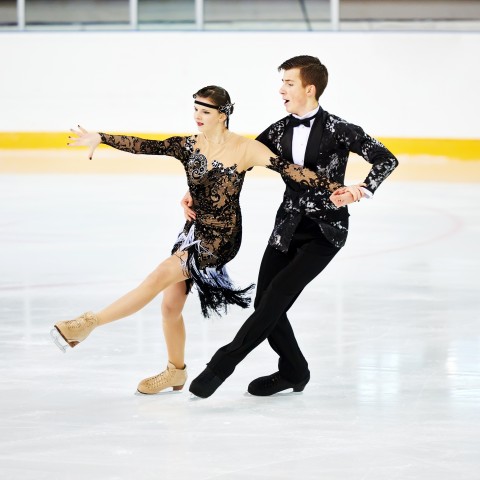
{"type": "Point", "coordinates": [206, 118]}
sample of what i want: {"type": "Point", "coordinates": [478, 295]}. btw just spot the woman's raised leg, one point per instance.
{"type": "Point", "coordinates": [72, 332]}
{"type": "Point", "coordinates": [167, 273]}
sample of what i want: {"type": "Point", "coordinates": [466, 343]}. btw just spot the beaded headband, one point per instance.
{"type": "Point", "coordinates": [226, 109]}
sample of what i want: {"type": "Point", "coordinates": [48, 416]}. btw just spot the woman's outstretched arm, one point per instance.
{"type": "Point", "coordinates": [172, 146]}
{"type": "Point", "coordinates": [260, 155]}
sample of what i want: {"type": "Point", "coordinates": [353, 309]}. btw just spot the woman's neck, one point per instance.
{"type": "Point", "coordinates": [217, 136]}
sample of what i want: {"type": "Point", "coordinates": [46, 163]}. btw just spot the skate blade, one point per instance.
{"type": "Point", "coordinates": [59, 340]}
{"type": "Point", "coordinates": [163, 392]}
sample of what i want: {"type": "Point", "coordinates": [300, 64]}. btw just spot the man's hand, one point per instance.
{"type": "Point", "coordinates": [186, 203]}
{"type": "Point", "coordinates": [346, 195]}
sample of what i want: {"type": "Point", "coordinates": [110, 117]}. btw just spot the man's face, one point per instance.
{"type": "Point", "coordinates": [294, 94]}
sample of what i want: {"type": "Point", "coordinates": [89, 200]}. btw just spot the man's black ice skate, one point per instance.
{"type": "Point", "coordinates": [275, 383]}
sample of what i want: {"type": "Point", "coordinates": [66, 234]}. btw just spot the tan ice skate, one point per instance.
{"type": "Point", "coordinates": [171, 377]}
{"type": "Point", "coordinates": [72, 332]}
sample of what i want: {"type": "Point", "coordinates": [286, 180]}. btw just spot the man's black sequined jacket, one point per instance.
{"type": "Point", "coordinates": [329, 144]}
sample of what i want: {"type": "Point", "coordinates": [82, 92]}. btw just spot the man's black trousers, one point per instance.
{"type": "Point", "coordinates": [281, 279]}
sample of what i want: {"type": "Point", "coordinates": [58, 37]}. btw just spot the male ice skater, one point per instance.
{"type": "Point", "coordinates": [309, 229]}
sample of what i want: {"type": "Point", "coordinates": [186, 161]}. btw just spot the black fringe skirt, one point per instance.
{"type": "Point", "coordinates": [215, 288]}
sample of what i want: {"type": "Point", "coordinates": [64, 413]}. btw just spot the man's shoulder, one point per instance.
{"type": "Point", "coordinates": [278, 123]}
{"type": "Point", "coordinates": [273, 131]}
{"type": "Point", "coordinates": [326, 116]}
{"type": "Point", "coordinates": [334, 122]}
{"type": "Point", "coordinates": [330, 117]}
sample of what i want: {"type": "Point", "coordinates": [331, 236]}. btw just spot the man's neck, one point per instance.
{"type": "Point", "coordinates": [309, 111]}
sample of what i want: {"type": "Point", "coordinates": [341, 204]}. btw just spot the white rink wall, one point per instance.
{"type": "Point", "coordinates": [413, 85]}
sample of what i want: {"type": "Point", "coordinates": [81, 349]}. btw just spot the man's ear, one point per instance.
{"type": "Point", "coordinates": [311, 90]}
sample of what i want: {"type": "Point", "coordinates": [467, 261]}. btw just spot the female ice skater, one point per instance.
{"type": "Point", "coordinates": [215, 162]}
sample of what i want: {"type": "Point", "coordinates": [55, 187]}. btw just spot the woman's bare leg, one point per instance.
{"type": "Point", "coordinates": [166, 274]}
{"type": "Point", "coordinates": [174, 298]}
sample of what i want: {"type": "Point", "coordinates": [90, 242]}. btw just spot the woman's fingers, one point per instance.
{"type": "Point", "coordinates": [73, 140]}
{"type": "Point", "coordinates": [80, 132]}
{"type": "Point", "coordinates": [82, 138]}
{"type": "Point", "coordinates": [90, 153]}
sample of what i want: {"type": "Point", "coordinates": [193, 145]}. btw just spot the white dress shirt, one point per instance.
{"type": "Point", "coordinates": [300, 138]}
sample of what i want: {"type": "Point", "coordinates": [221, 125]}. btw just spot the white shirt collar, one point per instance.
{"type": "Point", "coordinates": [309, 114]}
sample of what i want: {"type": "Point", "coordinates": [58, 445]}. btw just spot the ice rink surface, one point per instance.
{"type": "Point", "coordinates": [391, 331]}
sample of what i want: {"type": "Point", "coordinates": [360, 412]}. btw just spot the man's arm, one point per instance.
{"type": "Point", "coordinates": [383, 161]}
{"type": "Point", "coordinates": [264, 138]}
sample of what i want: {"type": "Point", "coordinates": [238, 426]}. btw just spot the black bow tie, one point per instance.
{"type": "Point", "coordinates": [295, 122]}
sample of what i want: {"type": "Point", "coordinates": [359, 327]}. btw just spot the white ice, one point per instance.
{"type": "Point", "coordinates": [391, 331]}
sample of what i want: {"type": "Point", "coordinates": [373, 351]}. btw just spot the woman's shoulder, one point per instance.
{"type": "Point", "coordinates": [248, 143]}
{"type": "Point", "coordinates": [240, 139]}
{"type": "Point", "coordinates": [253, 152]}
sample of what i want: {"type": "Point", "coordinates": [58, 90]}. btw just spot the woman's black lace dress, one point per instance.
{"type": "Point", "coordinates": [215, 179]}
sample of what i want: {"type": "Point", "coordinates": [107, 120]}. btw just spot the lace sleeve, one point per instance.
{"type": "Point", "coordinates": [172, 147]}
{"type": "Point", "coordinates": [301, 175]}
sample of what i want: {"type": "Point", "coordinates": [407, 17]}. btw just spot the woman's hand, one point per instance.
{"type": "Point", "coordinates": [186, 203]}
{"type": "Point", "coordinates": [346, 195]}
{"type": "Point", "coordinates": [85, 139]}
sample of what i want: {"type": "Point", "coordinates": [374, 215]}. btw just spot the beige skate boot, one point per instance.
{"type": "Point", "coordinates": [72, 332]}
{"type": "Point", "coordinates": [171, 377]}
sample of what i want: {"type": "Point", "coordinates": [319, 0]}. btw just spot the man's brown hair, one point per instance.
{"type": "Point", "coordinates": [312, 72]}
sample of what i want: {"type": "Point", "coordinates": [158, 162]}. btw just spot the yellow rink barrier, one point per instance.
{"type": "Point", "coordinates": [449, 160]}
{"type": "Point", "coordinates": [460, 149]}
{"type": "Point", "coordinates": [52, 140]}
